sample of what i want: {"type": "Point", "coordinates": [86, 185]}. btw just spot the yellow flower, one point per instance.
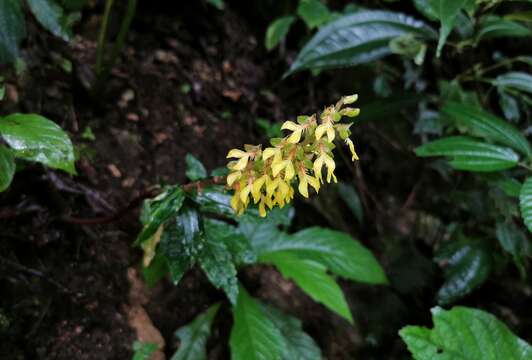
{"type": "Point", "coordinates": [304, 181]}
{"type": "Point", "coordinates": [232, 177]}
{"type": "Point", "coordinates": [326, 127]}
{"type": "Point", "coordinates": [354, 155]}
{"type": "Point", "coordinates": [297, 131]}
{"type": "Point", "coordinates": [257, 186]}
{"type": "Point", "coordinates": [243, 159]}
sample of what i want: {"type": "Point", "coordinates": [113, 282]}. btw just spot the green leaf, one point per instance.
{"type": "Point", "coordinates": [7, 167]}
{"type": "Point", "coordinates": [158, 210]}
{"type": "Point", "coordinates": [466, 334]}
{"type": "Point", "coordinates": [298, 344]}
{"type": "Point", "coordinates": [50, 15]}
{"type": "Point", "coordinates": [253, 336]}
{"type": "Point", "coordinates": [219, 4]}
{"type": "Point", "coordinates": [339, 252]}
{"type": "Point", "coordinates": [525, 203]}
{"type": "Point", "coordinates": [193, 336]}
{"type": "Point", "coordinates": [143, 351]}
{"type": "Point", "coordinates": [176, 249]}
{"type": "Point", "coordinates": [216, 262]}
{"type": "Point", "coordinates": [446, 11]}
{"type": "Point", "coordinates": [357, 38]}
{"type": "Point", "coordinates": [516, 80]}
{"type": "Point", "coordinates": [496, 27]}
{"type": "Point", "coordinates": [483, 124]}
{"type": "Point", "coordinates": [469, 154]}
{"type": "Point", "coordinates": [509, 106]}
{"type": "Point", "coordinates": [510, 186]}
{"type": "Point", "coordinates": [35, 138]}
{"type": "Point", "coordinates": [515, 242]}
{"type": "Point", "coordinates": [425, 7]}
{"type": "Point", "coordinates": [312, 278]}
{"type": "Point", "coordinates": [12, 29]}
{"type": "Point", "coordinates": [313, 12]}
{"type": "Point", "coordinates": [467, 265]}
{"type": "Point", "coordinates": [237, 244]}
{"type": "Point", "coordinates": [277, 31]}
{"type": "Point", "coordinates": [350, 196]}
{"type": "Point", "coordinates": [213, 199]}
{"type": "Point", "coordinates": [157, 269]}
{"type": "Point", "coordinates": [195, 169]}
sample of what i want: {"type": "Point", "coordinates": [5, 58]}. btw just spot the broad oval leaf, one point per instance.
{"type": "Point", "coordinates": [446, 11]}
{"type": "Point", "coordinates": [237, 244]}
{"type": "Point", "coordinates": [466, 153]}
{"type": "Point", "coordinates": [466, 334]}
{"type": "Point", "coordinates": [277, 31]}
{"type": "Point", "coordinates": [515, 242]}
{"type": "Point", "coordinates": [193, 336]}
{"type": "Point", "coordinates": [516, 80]}
{"type": "Point", "coordinates": [496, 27]}
{"type": "Point", "coordinates": [35, 138]}
{"type": "Point", "coordinates": [7, 167]}
{"type": "Point", "coordinates": [357, 38]}
{"type": "Point", "coordinates": [313, 12]}
{"type": "Point", "coordinates": [195, 169]}
{"type": "Point", "coordinates": [50, 15]}
{"type": "Point", "coordinates": [312, 278]}
{"type": "Point", "coordinates": [350, 196]}
{"type": "Point", "coordinates": [253, 336]}
{"type": "Point", "coordinates": [483, 124]}
{"type": "Point", "coordinates": [12, 29]}
{"type": "Point", "coordinates": [467, 265]}
{"type": "Point", "coordinates": [298, 344]}
{"type": "Point", "coordinates": [525, 203]}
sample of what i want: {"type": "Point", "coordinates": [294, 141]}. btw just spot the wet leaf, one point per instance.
{"type": "Point", "coordinates": [12, 29]}
{"type": "Point", "coordinates": [193, 336]}
{"type": "Point", "coordinates": [525, 202]}
{"type": "Point", "coordinates": [312, 278]}
{"type": "Point", "coordinates": [253, 336]}
{"type": "Point", "coordinates": [195, 169]}
{"type": "Point", "coordinates": [464, 333]}
{"type": "Point", "coordinates": [237, 244]}
{"type": "Point", "coordinates": [215, 200]}
{"type": "Point", "coordinates": [35, 138]}
{"type": "Point", "coordinates": [466, 153]}
{"type": "Point", "coordinates": [277, 31]}
{"type": "Point", "coordinates": [515, 80]}
{"type": "Point", "coordinates": [50, 15]}
{"type": "Point", "coordinates": [515, 242]}
{"type": "Point", "coordinates": [7, 167]}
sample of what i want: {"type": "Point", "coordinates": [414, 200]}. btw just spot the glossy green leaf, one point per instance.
{"type": "Point", "coordinates": [466, 153]}
{"type": "Point", "coordinates": [312, 278]}
{"type": "Point", "coordinates": [496, 27]}
{"type": "Point", "coordinates": [525, 203]}
{"type": "Point", "coordinates": [467, 264]}
{"type": "Point", "coordinates": [298, 344]}
{"type": "Point", "coordinates": [195, 169]}
{"type": "Point", "coordinates": [357, 38]}
{"type": "Point", "coordinates": [313, 12]}
{"type": "Point", "coordinates": [143, 351]}
{"type": "Point", "coordinates": [12, 29]}
{"type": "Point", "coordinates": [480, 123]}
{"type": "Point", "coordinates": [237, 244]}
{"type": "Point", "coordinates": [157, 269]}
{"type": "Point", "coordinates": [253, 336]}
{"type": "Point", "coordinates": [277, 31]}
{"type": "Point", "coordinates": [509, 106]}
{"type": "Point", "coordinates": [465, 334]}
{"type": "Point", "coordinates": [446, 11]}
{"type": "Point", "coordinates": [350, 196]}
{"type": "Point", "coordinates": [425, 7]}
{"type": "Point", "coordinates": [193, 336]}
{"type": "Point", "coordinates": [510, 186]}
{"type": "Point", "coordinates": [50, 15]}
{"type": "Point", "coordinates": [35, 138]}
{"type": "Point", "coordinates": [516, 80]}
{"type": "Point", "coordinates": [158, 210]}
{"type": "Point", "coordinates": [515, 242]}
{"type": "Point", "coordinates": [214, 200]}
{"type": "Point", "coordinates": [217, 263]}
{"type": "Point", "coordinates": [7, 167]}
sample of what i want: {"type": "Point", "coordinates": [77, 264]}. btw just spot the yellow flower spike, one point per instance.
{"type": "Point", "coordinates": [314, 183]}
{"type": "Point", "coordinates": [232, 177]}
{"type": "Point", "coordinates": [283, 189]}
{"type": "Point", "coordinates": [269, 202]}
{"type": "Point", "coordinates": [290, 125]}
{"type": "Point", "coordinates": [329, 162]}
{"type": "Point", "coordinates": [270, 187]}
{"type": "Point", "coordinates": [242, 163]}
{"type": "Point", "coordinates": [236, 153]}
{"type": "Point", "coordinates": [295, 137]}
{"type": "Point", "coordinates": [269, 152]}
{"type": "Point", "coordinates": [330, 133]}
{"type": "Point", "coordinates": [244, 193]}
{"type": "Point", "coordinates": [277, 167]}
{"type": "Point", "coordinates": [320, 130]}
{"type": "Point", "coordinates": [352, 149]}
{"type": "Point", "coordinates": [256, 188]}
{"type": "Point", "coordinates": [289, 171]}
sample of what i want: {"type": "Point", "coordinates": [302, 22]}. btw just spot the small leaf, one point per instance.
{"type": "Point", "coordinates": [509, 106]}
{"type": "Point", "coordinates": [467, 265]}
{"type": "Point", "coordinates": [216, 262]}
{"type": "Point", "coordinates": [143, 351]}
{"type": "Point", "coordinates": [516, 80]}
{"type": "Point", "coordinates": [446, 11]}
{"type": "Point", "coordinates": [425, 7]}
{"type": "Point", "coordinates": [357, 38]}
{"type": "Point", "coordinates": [525, 202]}
{"type": "Point", "coordinates": [50, 15]}
{"type": "Point", "coordinates": [35, 138]}
{"type": "Point", "coordinates": [195, 169]}
{"type": "Point", "coordinates": [496, 27]}
{"type": "Point", "coordinates": [237, 244]}
{"type": "Point", "coordinates": [12, 29]}
{"type": "Point", "coordinates": [193, 336]}
{"type": "Point", "coordinates": [464, 333]}
{"type": "Point", "coordinates": [349, 194]}
{"type": "Point", "coordinates": [7, 167]}
{"type": "Point", "coordinates": [481, 123]}
{"type": "Point", "coordinates": [469, 154]}
{"type": "Point", "coordinates": [277, 31]}
{"type": "Point", "coordinates": [213, 199]}
{"type": "Point", "coordinates": [219, 4]}
{"type": "Point", "coordinates": [515, 242]}
{"type": "Point", "coordinates": [313, 12]}
{"type": "Point", "coordinates": [253, 336]}
{"type": "Point", "coordinates": [176, 251]}
{"type": "Point", "coordinates": [157, 269]}
{"type": "Point", "coordinates": [298, 344]}
{"type": "Point", "coordinates": [312, 278]}
{"type": "Point", "coordinates": [158, 210]}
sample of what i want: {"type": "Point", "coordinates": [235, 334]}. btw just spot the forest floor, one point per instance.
{"type": "Point", "coordinates": [192, 80]}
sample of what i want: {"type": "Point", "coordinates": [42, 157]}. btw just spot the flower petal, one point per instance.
{"type": "Point", "coordinates": [236, 153]}
{"type": "Point", "coordinates": [290, 125]}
